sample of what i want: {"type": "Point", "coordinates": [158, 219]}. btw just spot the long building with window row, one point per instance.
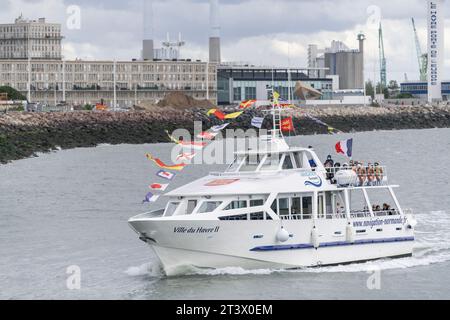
{"type": "Point", "coordinates": [419, 89]}
{"type": "Point", "coordinates": [88, 82]}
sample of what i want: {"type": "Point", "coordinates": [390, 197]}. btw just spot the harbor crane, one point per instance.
{"type": "Point", "coordinates": [421, 57]}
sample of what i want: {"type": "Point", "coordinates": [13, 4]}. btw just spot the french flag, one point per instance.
{"type": "Point", "coordinates": [345, 147]}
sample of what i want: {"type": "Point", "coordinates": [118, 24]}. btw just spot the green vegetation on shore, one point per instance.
{"type": "Point", "coordinates": [12, 93]}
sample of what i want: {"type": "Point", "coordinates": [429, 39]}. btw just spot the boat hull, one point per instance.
{"type": "Point", "coordinates": [221, 244]}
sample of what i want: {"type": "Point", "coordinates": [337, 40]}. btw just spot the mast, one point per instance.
{"type": "Point", "coordinates": [275, 111]}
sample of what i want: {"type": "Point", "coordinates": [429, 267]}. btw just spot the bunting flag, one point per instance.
{"type": "Point", "coordinates": [330, 129]}
{"type": "Point", "coordinates": [287, 125]}
{"type": "Point", "coordinates": [150, 197]}
{"type": "Point", "coordinates": [162, 165]}
{"type": "Point", "coordinates": [257, 122]}
{"type": "Point", "coordinates": [276, 98]}
{"type": "Point", "coordinates": [166, 175]}
{"type": "Point", "coordinates": [220, 128]}
{"type": "Point", "coordinates": [158, 187]}
{"type": "Point", "coordinates": [186, 157]}
{"type": "Point", "coordinates": [222, 116]}
{"type": "Point", "coordinates": [247, 104]}
{"type": "Point", "coordinates": [285, 104]}
{"type": "Point", "coordinates": [188, 144]}
{"type": "Point", "coordinates": [207, 135]}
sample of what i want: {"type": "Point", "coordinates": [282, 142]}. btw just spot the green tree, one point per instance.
{"type": "Point", "coordinates": [13, 94]}
{"type": "Point", "coordinates": [393, 85]}
{"type": "Point", "coordinates": [404, 95]}
{"type": "Point", "coordinates": [369, 89]}
{"type": "Point", "coordinates": [88, 107]}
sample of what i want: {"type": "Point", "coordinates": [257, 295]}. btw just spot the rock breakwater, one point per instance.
{"type": "Point", "coordinates": [22, 135]}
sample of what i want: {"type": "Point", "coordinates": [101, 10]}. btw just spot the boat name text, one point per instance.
{"type": "Point", "coordinates": [196, 230]}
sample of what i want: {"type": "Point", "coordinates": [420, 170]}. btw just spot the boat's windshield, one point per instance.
{"type": "Point", "coordinates": [251, 163]}
{"type": "Point", "coordinates": [171, 208]}
{"type": "Point", "coordinates": [271, 163]}
{"type": "Point", "coordinates": [209, 206]}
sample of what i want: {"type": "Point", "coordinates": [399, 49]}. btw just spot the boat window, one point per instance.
{"type": "Point", "coordinates": [171, 208]}
{"type": "Point", "coordinates": [234, 218]}
{"type": "Point", "coordinates": [296, 206]}
{"type": "Point", "coordinates": [298, 160]}
{"type": "Point", "coordinates": [307, 207]}
{"type": "Point", "coordinates": [192, 204]}
{"type": "Point", "coordinates": [251, 163]}
{"type": "Point", "coordinates": [268, 217]}
{"type": "Point", "coordinates": [287, 164]}
{"type": "Point", "coordinates": [257, 216]}
{"type": "Point", "coordinates": [272, 162]}
{"type": "Point", "coordinates": [209, 206]}
{"type": "Point", "coordinates": [256, 203]}
{"type": "Point", "coordinates": [235, 165]}
{"type": "Point", "coordinates": [236, 205]}
{"type": "Point", "coordinates": [274, 206]}
{"type": "Point", "coordinates": [283, 206]}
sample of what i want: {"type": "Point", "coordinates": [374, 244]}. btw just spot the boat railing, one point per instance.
{"type": "Point", "coordinates": [328, 216]}
{"type": "Point", "coordinates": [339, 216]}
{"type": "Point", "coordinates": [262, 172]}
{"type": "Point", "coordinates": [408, 211]}
{"type": "Point", "coordinates": [296, 216]}
{"type": "Point", "coordinates": [358, 177]}
{"type": "Point", "coordinates": [366, 213]}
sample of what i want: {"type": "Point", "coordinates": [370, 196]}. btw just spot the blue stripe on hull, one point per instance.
{"type": "Point", "coordinates": [331, 244]}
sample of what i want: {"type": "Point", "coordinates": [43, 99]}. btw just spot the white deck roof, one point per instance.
{"type": "Point", "coordinates": [283, 182]}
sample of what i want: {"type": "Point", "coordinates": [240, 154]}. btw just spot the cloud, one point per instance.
{"type": "Point", "coordinates": [270, 32]}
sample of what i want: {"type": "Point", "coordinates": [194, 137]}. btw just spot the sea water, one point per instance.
{"type": "Point", "coordinates": [69, 209]}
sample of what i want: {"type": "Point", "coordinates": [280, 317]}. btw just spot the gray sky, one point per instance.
{"type": "Point", "coordinates": [267, 32]}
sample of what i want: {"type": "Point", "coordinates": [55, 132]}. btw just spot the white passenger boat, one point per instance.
{"type": "Point", "coordinates": [279, 208]}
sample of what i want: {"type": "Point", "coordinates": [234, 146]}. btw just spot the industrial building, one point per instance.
{"type": "Point", "coordinates": [36, 39]}
{"type": "Point", "coordinates": [87, 82]}
{"type": "Point", "coordinates": [237, 83]}
{"type": "Point", "coordinates": [339, 60]}
{"type": "Point", "coordinates": [419, 89]}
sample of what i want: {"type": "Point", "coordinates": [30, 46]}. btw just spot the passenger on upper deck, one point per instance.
{"type": "Point", "coordinates": [362, 173]}
{"type": "Point", "coordinates": [370, 174]}
{"type": "Point", "coordinates": [378, 173]}
{"type": "Point", "coordinates": [329, 166]}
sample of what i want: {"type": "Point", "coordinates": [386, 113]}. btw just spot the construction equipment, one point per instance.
{"type": "Point", "coordinates": [421, 57]}
{"type": "Point", "coordinates": [383, 70]}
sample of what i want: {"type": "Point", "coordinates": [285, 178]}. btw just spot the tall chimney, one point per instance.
{"type": "Point", "coordinates": [147, 43]}
{"type": "Point", "coordinates": [214, 39]}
